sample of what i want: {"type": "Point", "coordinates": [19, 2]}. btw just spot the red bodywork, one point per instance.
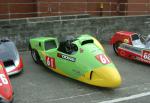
{"type": "Point", "coordinates": [143, 57]}
{"type": "Point", "coordinates": [122, 36]}
{"type": "Point", "coordinates": [6, 92]}
{"type": "Point", "coordinates": [17, 68]}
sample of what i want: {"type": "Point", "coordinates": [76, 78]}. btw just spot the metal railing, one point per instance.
{"type": "Point", "coordinates": [37, 9]}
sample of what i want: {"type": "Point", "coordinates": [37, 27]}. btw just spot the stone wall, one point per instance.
{"type": "Point", "coordinates": [21, 30]}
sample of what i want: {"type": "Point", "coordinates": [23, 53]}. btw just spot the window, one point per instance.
{"type": "Point", "coordinates": [87, 42]}
{"type": "Point", "coordinates": [50, 44]}
{"type": "Point", "coordinates": [68, 47]}
{"type": "Point", "coordinates": [136, 42]}
{"type": "Point", "coordinates": [135, 37]}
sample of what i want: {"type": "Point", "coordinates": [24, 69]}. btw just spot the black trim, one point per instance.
{"type": "Point", "coordinates": [87, 42]}
{"type": "Point", "coordinates": [91, 75]}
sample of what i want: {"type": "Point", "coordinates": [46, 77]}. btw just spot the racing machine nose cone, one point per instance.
{"type": "Point", "coordinates": [106, 77]}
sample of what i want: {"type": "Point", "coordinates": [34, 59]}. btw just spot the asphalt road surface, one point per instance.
{"type": "Point", "coordinates": [40, 85]}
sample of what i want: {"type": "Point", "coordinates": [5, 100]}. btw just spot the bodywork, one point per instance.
{"type": "Point", "coordinates": [87, 63]}
{"type": "Point", "coordinates": [6, 92]}
{"type": "Point", "coordinates": [132, 46]}
{"type": "Point", "coordinates": [10, 57]}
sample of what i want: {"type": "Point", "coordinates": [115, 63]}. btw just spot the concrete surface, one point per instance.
{"type": "Point", "coordinates": [21, 30]}
{"type": "Point", "coordinates": [40, 85]}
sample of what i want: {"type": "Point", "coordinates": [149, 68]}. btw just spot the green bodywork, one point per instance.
{"type": "Point", "coordinates": [85, 56]}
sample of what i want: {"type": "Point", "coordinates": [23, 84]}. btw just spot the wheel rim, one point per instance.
{"type": "Point", "coordinates": [34, 55]}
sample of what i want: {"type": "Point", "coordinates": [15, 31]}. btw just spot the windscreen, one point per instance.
{"type": "Point", "coordinates": [135, 37]}
{"type": "Point", "coordinates": [8, 51]}
{"type": "Point", "coordinates": [50, 45]}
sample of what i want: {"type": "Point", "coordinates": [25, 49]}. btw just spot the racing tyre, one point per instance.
{"type": "Point", "coordinates": [115, 46]}
{"type": "Point", "coordinates": [30, 47]}
{"type": "Point", "coordinates": [12, 100]}
{"type": "Point", "coordinates": [35, 56]}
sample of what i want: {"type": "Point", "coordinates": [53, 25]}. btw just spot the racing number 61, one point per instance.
{"type": "Point", "coordinates": [48, 61]}
{"type": "Point", "coordinates": [103, 59]}
{"type": "Point", "coordinates": [3, 79]}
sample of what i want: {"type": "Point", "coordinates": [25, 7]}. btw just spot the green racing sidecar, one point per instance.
{"type": "Point", "coordinates": [82, 58]}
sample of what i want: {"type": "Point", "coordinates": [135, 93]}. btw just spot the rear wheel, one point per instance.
{"type": "Point", "coordinates": [12, 100]}
{"type": "Point", "coordinates": [30, 46]}
{"type": "Point", "coordinates": [35, 56]}
{"type": "Point", "coordinates": [115, 46]}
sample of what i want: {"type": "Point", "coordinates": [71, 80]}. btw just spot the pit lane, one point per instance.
{"type": "Point", "coordinates": [40, 85]}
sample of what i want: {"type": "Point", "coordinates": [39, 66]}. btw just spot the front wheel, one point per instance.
{"type": "Point", "coordinates": [115, 46]}
{"type": "Point", "coordinates": [35, 56]}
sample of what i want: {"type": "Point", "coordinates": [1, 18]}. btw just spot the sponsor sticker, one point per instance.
{"type": "Point", "coordinates": [81, 50]}
{"type": "Point", "coordinates": [50, 62]}
{"type": "Point", "coordinates": [76, 71]}
{"type": "Point", "coordinates": [1, 66]}
{"type": "Point", "coordinates": [122, 53]}
{"type": "Point", "coordinates": [103, 59]}
{"type": "Point", "coordinates": [146, 55]}
{"type": "Point", "coordinates": [126, 41]}
{"type": "Point", "coordinates": [66, 57]}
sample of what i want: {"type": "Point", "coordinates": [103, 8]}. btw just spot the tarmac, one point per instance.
{"type": "Point", "coordinates": [37, 84]}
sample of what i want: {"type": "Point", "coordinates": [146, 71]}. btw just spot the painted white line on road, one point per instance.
{"type": "Point", "coordinates": [92, 93]}
{"type": "Point", "coordinates": [127, 98]}
{"type": "Point", "coordinates": [72, 97]}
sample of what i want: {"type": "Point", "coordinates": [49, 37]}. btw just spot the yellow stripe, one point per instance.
{"type": "Point", "coordinates": [98, 44]}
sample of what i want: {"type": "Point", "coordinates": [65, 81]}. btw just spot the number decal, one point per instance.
{"type": "Point", "coordinates": [146, 55]}
{"type": "Point", "coordinates": [103, 59]}
{"type": "Point", "coordinates": [50, 62]}
{"type": "Point", "coordinates": [3, 79]}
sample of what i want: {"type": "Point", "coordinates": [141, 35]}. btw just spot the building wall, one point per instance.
{"type": "Point", "coordinates": [135, 7]}
{"type": "Point", "coordinates": [33, 8]}
{"type": "Point", "coordinates": [28, 9]}
{"type": "Point", "coordinates": [94, 7]}
{"type": "Point", "coordinates": [23, 8]}
{"type": "Point", "coordinates": [61, 7]}
{"type": "Point", "coordinates": [54, 7]}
